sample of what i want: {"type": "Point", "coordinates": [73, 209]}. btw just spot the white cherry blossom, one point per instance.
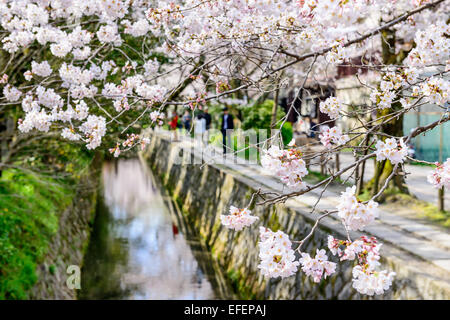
{"type": "Point", "coordinates": [331, 106]}
{"type": "Point", "coordinates": [332, 136]}
{"type": "Point", "coordinates": [287, 165]}
{"type": "Point", "coordinates": [355, 214]}
{"type": "Point", "coordinates": [318, 266]}
{"type": "Point", "coordinates": [391, 149]}
{"type": "Point", "coordinates": [277, 256]}
{"type": "Point", "coordinates": [238, 218]}
{"type": "Point", "coordinates": [440, 176]}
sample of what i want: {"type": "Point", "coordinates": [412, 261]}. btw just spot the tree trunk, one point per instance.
{"type": "Point", "coordinates": [360, 182]}
{"type": "Point", "coordinates": [441, 206]}
{"type": "Point", "coordinates": [394, 127]}
{"type": "Point", "coordinates": [275, 109]}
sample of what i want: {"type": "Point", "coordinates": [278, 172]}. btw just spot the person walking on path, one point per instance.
{"type": "Point", "coordinates": [187, 120]}
{"type": "Point", "coordinates": [226, 127]}
{"type": "Point", "coordinates": [199, 127]}
{"type": "Point", "coordinates": [173, 124]}
{"type": "Point", "coordinates": [207, 118]}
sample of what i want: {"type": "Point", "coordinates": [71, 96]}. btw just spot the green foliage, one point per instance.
{"type": "Point", "coordinates": [259, 116]}
{"type": "Point", "coordinates": [52, 269]}
{"type": "Point", "coordinates": [254, 117]}
{"type": "Point", "coordinates": [287, 132]}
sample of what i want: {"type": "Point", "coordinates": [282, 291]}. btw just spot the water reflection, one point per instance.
{"type": "Point", "coordinates": [136, 251]}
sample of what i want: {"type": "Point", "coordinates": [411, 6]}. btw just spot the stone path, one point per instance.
{"type": "Point", "coordinates": [416, 181]}
{"type": "Point", "coordinates": [426, 241]}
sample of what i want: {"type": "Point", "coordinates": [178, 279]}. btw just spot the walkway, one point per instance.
{"type": "Point", "coordinates": [422, 240]}
{"type": "Point", "coordinates": [416, 181]}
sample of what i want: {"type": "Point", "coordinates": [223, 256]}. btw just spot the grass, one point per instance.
{"type": "Point", "coordinates": [30, 205]}
{"type": "Point", "coordinates": [431, 212]}
{"type": "Point", "coordinates": [421, 164]}
{"type": "Point", "coordinates": [364, 196]}
{"type": "Point", "coordinates": [28, 219]}
{"type": "Point", "coordinates": [420, 208]}
{"type": "Point", "coordinates": [423, 209]}
{"type": "Point", "coordinates": [315, 177]}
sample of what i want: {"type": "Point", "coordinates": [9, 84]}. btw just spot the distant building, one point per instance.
{"type": "Point", "coordinates": [306, 108]}
{"type": "Point", "coordinates": [431, 146]}
{"type": "Point", "coordinates": [435, 144]}
{"type": "Point", "coordinates": [352, 88]}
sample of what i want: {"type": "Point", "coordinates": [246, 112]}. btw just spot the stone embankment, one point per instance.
{"type": "Point", "coordinates": [69, 245]}
{"type": "Point", "coordinates": [204, 191]}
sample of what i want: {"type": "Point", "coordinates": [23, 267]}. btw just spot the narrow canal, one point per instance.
{"type": "Point", "coordinates": [139, 248]}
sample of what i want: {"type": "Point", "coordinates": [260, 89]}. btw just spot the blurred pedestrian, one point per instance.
{"type": "Point", "coordinates": [199, 127]}
{"type": "Point", "coordinates": [207, 118]}
{"type": "Point", "coordinates": [313, 128]}
{"type": "Point", "coordinates": [187, 120]}
{"type": "Point", "coordinates": [226, 128]}
{"type": "Point", "coordinates": [173, 124]}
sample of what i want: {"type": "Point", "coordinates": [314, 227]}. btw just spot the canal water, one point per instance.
{"type": "Point", "coordinates": [140, 247]}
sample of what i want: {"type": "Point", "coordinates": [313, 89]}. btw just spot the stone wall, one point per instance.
{"type": "Point", "coordinates": [203, 193]}
{"type": "Point", "coordinates": [69, 245]}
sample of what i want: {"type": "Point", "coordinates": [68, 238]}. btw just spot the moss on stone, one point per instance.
{"type": "Point", "coordinates": [216, 228]}
{"type": "Point", "coordinates": [274, 222]}
{"type": "Point", "coordinates": [52, 269]}
{"type": "Point", "coordinates": [238, 283]}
